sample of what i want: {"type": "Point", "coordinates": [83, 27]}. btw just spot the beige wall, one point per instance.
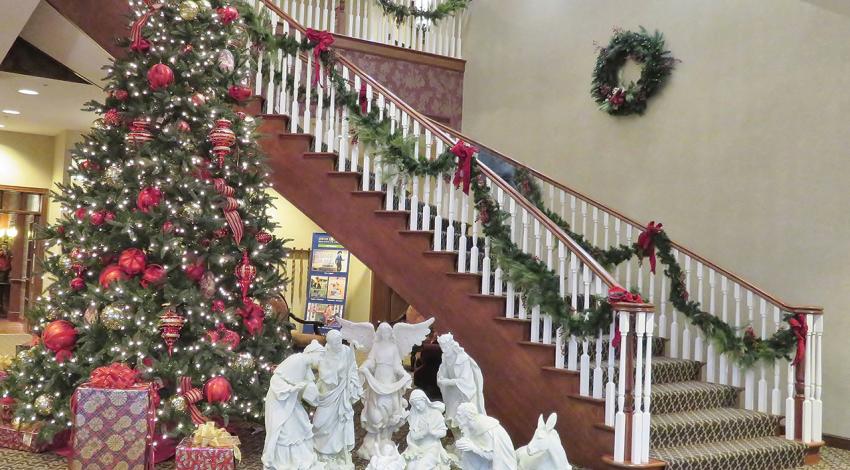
{"type": "Point", "coordinates": [26, 160]}
{"type": "Point", "coordinates": [744, 155]}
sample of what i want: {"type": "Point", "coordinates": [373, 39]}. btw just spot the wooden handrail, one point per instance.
{"type": "Point", "coordinates": [428, 124]}
{"type": "Point", "coordinates": [817, 310]}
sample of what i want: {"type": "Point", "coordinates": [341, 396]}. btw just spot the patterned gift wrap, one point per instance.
{"type": "Point", "coordinates": [25, 439]}
{"type": "Point", "coordinates": [113, 428]}
{"type": "Point", "coordinates": [190, 457]}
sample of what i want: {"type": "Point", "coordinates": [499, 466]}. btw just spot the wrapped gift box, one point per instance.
{"type": "Point", "coordinates": [21, 438]}
{"type": "Point", "coordinates": [190, 457]}
{"type": "Point", "coordinates": [113, 428]}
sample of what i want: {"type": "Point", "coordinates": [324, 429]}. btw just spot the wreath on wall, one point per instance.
{"type": "Point", "coordinates": [622, 99]}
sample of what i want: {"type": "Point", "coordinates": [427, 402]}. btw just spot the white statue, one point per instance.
{"type": "Point", "coordinates": [339, 388]}
{"type": "Point", "coordinates": [386, 457]}
{"type": "Point", "coordinates": [484, 443]}
{"type": "Point", "coordinates": [384, 376]}
{"type": "Point", "coordinates": [426, 429]}
{"type": "Point", "coordinates": [459, 378]}
{"type": "Point", "coordinates": [545, 451]}
{"type": "Point", "coordinates": [289, 434]}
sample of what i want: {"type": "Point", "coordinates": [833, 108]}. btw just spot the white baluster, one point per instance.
{"type": "Point", "coordinates": [438, 207]}
{"type": "Point", "coordinates": [296, 84]}
{"type": "Point", "coordinates": [610, 387]}
{"type": "Point", "coordinates": [686, 333]}
{"type": "Point", "coordinates": [535, 310]}
{"type": "Point", "coordinates": [559, 348]}
{"type": "Point", "coordinates": [790, 430]}
{"type": "Point", "coordinates": [308, 93]}
{"type": "Point", "coordinates": [647, 388]}
{"type": "Point", "coordinates": [712, 309]}
{"type": "Point", "coordinates": [485, 267]}
{"type": "Point", "coordinates": [674, 325]}
{"type": "Point", "coordinates": [511, 297]}
{"type": "Point", "coordinates": [776, 395]}
{"type": "Point", "coordinates": [450, 231]}
{"type": "Point", "coordinates": [464, 213]}
{"type": "Point", "coordinates": [723, 371]}
{"type": "Point", "coordinates": [662, 319]}
{"type": "Point", "coordinates": [572, 348]}
{"type": "Point", "coordinates": [637, 414]}
{"type": "Point", "coordinates": [330, 135]}
{"type": "Point", "coordinates": [808, 394]}
{"type": "Point", "coordinates": [762, 385]}
{"type": "Point", "coordinates": [497, 273]}
{"type": "Point", "coordinates": [474, 251]}
{"type": "Point", "coordinates": [414, 196]}
{"type": "Point", "coordinates": [620, 417]}
{"type": "Point", "coordinates": [547, 319]}
{"type": "Point", "coordinates": [698, 341]}
{"type": "Point", "coordinates": [736, 372]}
{"type": "Point", "coordinates": [392, 180]}
{"type": "Point", "coordinates": [750, 374]}
{"type": "Point", "coordinates": [319, 127]}
{"type": "Point", "coordinates": [379, 164]}
{"type": "Point", "coordinates": [598, 389]}
{"type": "Point", "coordinates": [817, 402]}
{"type": "Point", "coordinates": [524, 246]}
{"type": "Point", "coordinates": [584, 370]}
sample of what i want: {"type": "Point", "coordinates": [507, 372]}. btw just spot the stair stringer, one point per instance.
{"type": "Point", "coordinates": [517, 389]}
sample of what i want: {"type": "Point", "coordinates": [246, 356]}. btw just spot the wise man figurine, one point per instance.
{"type": "Point", "coordinates": [459, 379]}
{"type": "Point", "coordinates": [289, 434]}
{"type": "Point", "coordinates": [339, 388]}
{"type": "Point", "coordinates": [484, 443]}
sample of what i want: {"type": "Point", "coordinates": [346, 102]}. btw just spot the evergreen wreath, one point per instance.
{"type": "Point", "coordinates": [648, 50]}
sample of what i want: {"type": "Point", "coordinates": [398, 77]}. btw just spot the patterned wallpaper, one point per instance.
{"type": "Point", "coordinates": [433, 91]}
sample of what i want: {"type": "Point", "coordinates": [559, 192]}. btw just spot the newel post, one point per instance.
{"type": "Point", "coordinates": [805, 423]}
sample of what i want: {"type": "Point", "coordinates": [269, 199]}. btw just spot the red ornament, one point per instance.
{"type": "Point", "coordinates": [139, 132]}
{"type": "Point", "coordinates": [112, 117]}
{"type": "Point", "coordinates": [170, 324]}
{"type": "Point", "coordinates": [148, 197]}
{"type": "Point", "coordinates": [78, 284]}
{"type": "Point", "coordinates": [218, 390]}
{"type": "Point", "coordinates": [222, 138]}
{"type": "Point", "coordinates": [81, 213]}
{"type": "Point", "coordinates": [89, 165]}
{"type": "Point", "coordinates": [195, 271]}
{"type": "Point", "coordinates": [227, 14]}
{"type": "Point", "coordinates": [183, 126]}
{"type": "Point", "coordinates": [228, 338]}
{"type": "Point", "coordinates": [252, 316]}
{"type": "Point", "coordinates": [60, 230]}
{"type": "Point", "coordinates": [220, 233]}
{"type": "Point", "coordinates": [239, 92]}
{"type": "Point", "coordinates": [108, 216]}
{"type": "Point", "coordinates": [167, 226]}
{"type": "Point", "coordinates": [142, 45]}
{"type": "Point", "coordinates": [132, 261]}
{"type": "Point", "coordinates": [97, 218]}
{"type": "Point", "coordinates": [154, 275]}
{"type": "Point", "coordinates": [110, 274]}
{"type": "Point", "coordinates": [120, 95]}
{"type": "Point", "coordinates": [218, 306]}
{"type": "Point", "coordinates": [63, 355]}
{"type": "Point", "coordinates": [245, 273]}
{"type": "Point", "coordinates": [160, 76]}
{"type": "Point", "coordinates": [187, 49]}
{"type": "Point", "coordinates": [59, 335]}
{"type": "Point", "coordinates": [263, 237]}
{"type": "Point", "coordinates": [198, 99]}
{"type": "Point", "coordinates": [7, 408]}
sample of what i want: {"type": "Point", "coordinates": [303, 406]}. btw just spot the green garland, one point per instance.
{"type": "Point", "coordinates": [401, 12]}
{"type": "Point", "coordinates": [622, 99]}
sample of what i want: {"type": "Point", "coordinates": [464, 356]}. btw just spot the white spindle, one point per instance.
{"type": "Point", "coordinates": [620, 417]}
{"type": "Point", "coordinates": [674, 325]}
{"type": "Point", "coordinates": [584, 362]}
{"type": "Point", "coordinates": [637, 414]}
{"type": "Point", "coordinates": [547, 320]}
{"type": "Point", "coordinates": [414, 196]}
{"type": "Point", "coordinates": [710, 367]}
{"type": "Point", "coordinates": [318, 129]}
{"type": "Point", "coordinates": [572, 348]}
{"type": "Point", "coordinates": [808, 389]}
{"type": "Point", "coordinates": [438, 206]}
{"type": "Point", "coordinates": [749, 374]}
{"type": "Point", "coordinates": [610, 387]}
{"type": "Point", "coordinates": [723, 371]}
{"type": "Point", "coordinates": [686, 333]}
{"type": "Point", "coordinates": [647, 388]}
{"type": "Point", "coordinates": [464, 213]}
{"type": "Point", "coordinates": [817, 402]}
{"type": "Point", "coordinates": [762, 384]}
{"type": "Point", "coordinates": [790, 417]}
{"type": "Point", "coordinates": [776, 394]}
{"type": "Point", "coordinates": [450, 230]}
{"type": "Point", "coordinates": [698, 341]}
{"type": "Point", "coordinates": [736, 372]}
{"type": "Point", "coordinates": [497, 273]}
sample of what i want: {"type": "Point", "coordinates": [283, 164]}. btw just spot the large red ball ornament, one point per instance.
{"type": "Point", "coordinates": [78, 284]}
{"type": "Point", "coordinates": [148, 197]}
{"type": "Point", "coordinates": [110, 274]}
{"type": "Point", "coordinates": [227, 14]}
{"type": "Point", "coordinates": [81, 213]}
{"type": "Point", "coordinates": [132, 261]}
{"type": "Point", "coordinates": [217, 390]}
{"type": "Point", "coordinates": [160, 76]}
{"type": "Point", "coordinates": [239, 92]}
{"type": "Point", "coordinates": [59, 335]}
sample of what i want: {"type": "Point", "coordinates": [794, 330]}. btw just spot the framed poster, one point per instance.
{"type": "Point", "coordinates": [327, 282]}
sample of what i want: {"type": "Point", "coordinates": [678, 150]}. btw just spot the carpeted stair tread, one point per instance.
{"type": "Point", "coordinates": [664, 370]}
{"type": "Point", "coordinates": [710, 425]}
{"type": "Point", "coordinates": [760, 453]}
{"type": "Point", "coordinates": [692, 395]}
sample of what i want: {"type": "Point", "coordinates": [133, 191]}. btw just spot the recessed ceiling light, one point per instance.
{"type": "Point", "coordinates": [11, 111]}
{"type": "Point", "coordinates": [27, 91]}
{"type": "Point", "coordinates": [2, 126]}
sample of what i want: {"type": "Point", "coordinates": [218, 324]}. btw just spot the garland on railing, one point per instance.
{"type": "Point", "coordinates": [401, 11]}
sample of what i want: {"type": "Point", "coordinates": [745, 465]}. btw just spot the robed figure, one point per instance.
{"type": "Point", "coordinates": [289, 434]}
{"type": "Point", "coordinates": [459, 378]}
{"type": "Point", "coordinates": [484, 443]}
{"type": "Point", "coordinates": [339, 388]}
{"type": "Point", "coordinates": [385, 380]}
{"type": "Point", "coordinates": [426, 429]}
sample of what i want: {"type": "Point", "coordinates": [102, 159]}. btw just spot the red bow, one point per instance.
{"type": "Point", "coordinates": [115, 375]}
{"type": "Point", "coordinates": [646, 243]}
{"type": "Point", "coordinates": [139, 43]}
{"type": "Point", "coordinates": [618, 294]}
{"type": "Point", "coordinates": [192, 395]}
{"type": "Point", "coordinates": [801, 329]}
{"type": "Point", "coordinates": [323, 41]}
{"type": "Point", "coordinates": [252, 316]}
{"type": "Point", "coordinates": [231, 214]}
{"type": "Point", "coordinates": [463, 174]}
{"type": "Point", "coordinates": [364, 101]}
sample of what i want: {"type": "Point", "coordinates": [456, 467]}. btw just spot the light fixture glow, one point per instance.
{"type": "Point", "coordinates": [2, 126]}
{"type": "Point", "coordinates": [12, 232]}
{"type": "Point", "coordinates": [27, 91]}
{"type": "Point", "coordinates": [11, 111]}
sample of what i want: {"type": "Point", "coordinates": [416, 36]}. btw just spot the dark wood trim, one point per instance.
{"type": "Point", "coordinates": [24, 189]}
{"type": "Point", "coordinates": [399, 53]}
{"type": "Point", "coordinates": [838, 442]}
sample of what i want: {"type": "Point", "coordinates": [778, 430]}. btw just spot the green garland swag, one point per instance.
{"type": "Point", "coordinates": [539, 284]}
{"type": "Point", "coordinates": [401, 12]}
{"type": "Point", "coordinates": [623, 99]}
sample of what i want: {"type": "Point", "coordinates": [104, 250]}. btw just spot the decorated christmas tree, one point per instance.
{"type": "Point", "coordinates": [165, 259]}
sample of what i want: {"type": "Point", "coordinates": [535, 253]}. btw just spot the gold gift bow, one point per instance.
{"type": "Point", "coordinates": [208, 435]}
{"type": "Point", "coordinates": [5, 361]}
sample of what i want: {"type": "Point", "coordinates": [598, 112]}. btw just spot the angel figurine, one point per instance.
{"type": "Point", "coordinates": [386, 381]}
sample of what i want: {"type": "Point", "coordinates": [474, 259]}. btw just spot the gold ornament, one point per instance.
{"type": "Point", "coordinates": [244, 362]}
{"type": "Point", "coordinates": [52, 313]}
{"type": "Point", "coordinates": [43, 405]}
{"type": "Point", "coordinates": [205, 4]}
{"type": "Point", "coordinates": [239, 39]}
{"type": "Point", "coordinates": [112, 174]}
{"type": "Point", "coordinates": [65, 262]}
{"type": "Point", "coordinates": [190, 212]}
{"type": "Point", "coordinates": [178, 403]}
{"type": "Point", "coordinates": [112, 316]}
{"type": "Point", "coordinates": [25, 355]}
{"type": "Point", "coordinates": [188, 10]}
{"type": "Point", "coordinates": [90, 315]}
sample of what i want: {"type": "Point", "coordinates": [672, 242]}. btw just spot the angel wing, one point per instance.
{"type": "Point", "coordinates": [408, 335]}
{"type": "Point", "coordinates": [361, 335]}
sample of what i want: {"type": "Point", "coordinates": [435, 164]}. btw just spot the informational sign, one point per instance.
{"type": "Point", "coordinates": [327, 282]}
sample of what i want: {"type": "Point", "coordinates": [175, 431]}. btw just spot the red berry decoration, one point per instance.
{"type": "Point", "coordinates": [81, 213]}
{"type": "Point", "coordinates": [218, 306]}
{"type": "Point", "coordinates": [154, 275]}
{"type": "Point", "coordinates": [239, 92]}
{"type": "Point", "coordinates": [196, 270]}
{"type": "Point", "coordinates": [89, 165]}
{"type": "Point", "coordinates": [160, 76]}
{"type": "Point", "coordinates": [132, 261]}
{"type": "Point", "coordinates": [167, 226]}
{"type": "Point", "coordinates": [263, 237]}
{"type": "Point", "coordinates": [218, 390]}
{"type": "Point", "coordinates": [227, 14]}
{"type": "Point", "coordinates": [148, 197]}
{"type": "Point", "coordinates": [110, 274]}
{"type": "Point", "coordinates": [220, 233]}
{"type": "Point", "coordinates": [120, 95]}
{"type": "Point", "coordinates": [184, 127]}
{"type": "Point", "coordinates": [112, 117]}
{"type": "Point", "coordinates": [222, 138]}
{"type": "Point", "coordinates": [59, 335]}
{"type": "Point", "coordinates": [78, 284]}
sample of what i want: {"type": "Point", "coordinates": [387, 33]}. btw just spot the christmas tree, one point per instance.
{"type": "Point", "coordinates": [165, 257]}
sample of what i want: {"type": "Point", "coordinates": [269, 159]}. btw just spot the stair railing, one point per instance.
{"type": "Point", "coordinates": [719, 291]}
{"type": "Point", "coordinates": [366, 20]}
{"type": "Point", "coordinates": [436, 205]}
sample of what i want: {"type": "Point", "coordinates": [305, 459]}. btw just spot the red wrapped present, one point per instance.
{"type": "Point", "coordinates": [113, 421]}
{"type": "Point", "coordinates": [22, 437]}
{"type": "Point", "coordinates": [209, 448]}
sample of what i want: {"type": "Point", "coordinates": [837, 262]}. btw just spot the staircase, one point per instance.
{"type": "Point", "coordinates": [663, 399]}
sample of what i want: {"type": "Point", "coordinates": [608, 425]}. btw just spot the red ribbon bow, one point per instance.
{"type": "Point", "coordinates": [323, 41]}
{"type": "Point", "coordinates": [618, 294]}
{"type": "Point", "coordinates": [363, 100]}
{"type": "Point", "coordinates": [646, 243]}
{"type": "Point", "coordinates": [463, 174]}
{"type": "Point", "coordinates": [139, 43]}
{"type": "Point", "coordinates": [231, 214]}
{"type": "Point", "coordinates": [115, 375]}
{"type": "Point", "coordinates": [801, 329]}
{"type": "Point", "coordinates": [252, 316]}
{"type": "Point", "coordinates": [192, 395]}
